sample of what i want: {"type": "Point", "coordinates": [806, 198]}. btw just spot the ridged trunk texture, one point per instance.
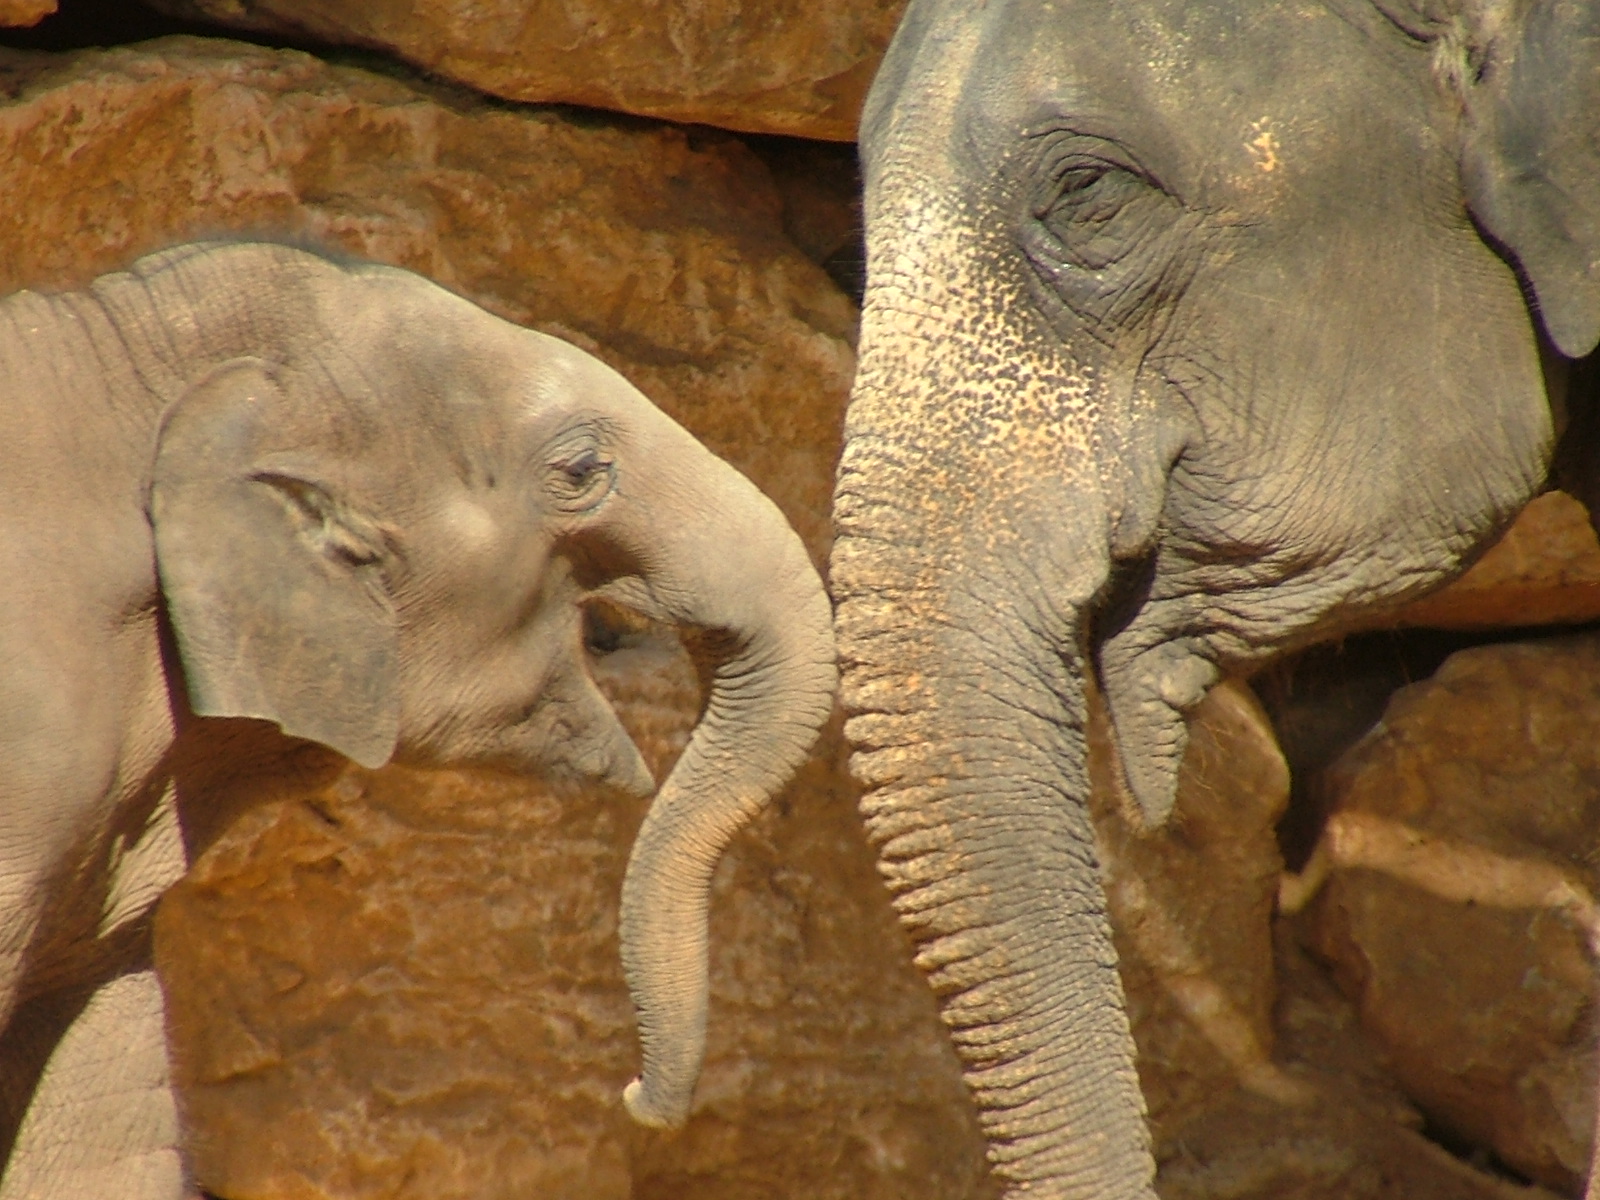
{"type": "Point", "coordinates": [972, 535]}
{"type": "Point", "coordinates": [968, 723]}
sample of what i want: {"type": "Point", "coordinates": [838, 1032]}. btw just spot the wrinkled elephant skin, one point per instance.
{"type": "Point", "coordinates": [1192, 331]}
{"type": "Point", "coordinates": [260, 507]}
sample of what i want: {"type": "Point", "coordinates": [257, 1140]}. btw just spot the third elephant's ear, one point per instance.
{"type": "Point", "coordinates": [272, 580]}
{"type": "Point", "coordinates": [1530, 160]}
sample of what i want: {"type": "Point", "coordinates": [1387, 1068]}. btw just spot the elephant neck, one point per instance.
{"type": "Point", "coordinates": [119, 353]}
{"type": "Point", "coordinates": [181, 314]}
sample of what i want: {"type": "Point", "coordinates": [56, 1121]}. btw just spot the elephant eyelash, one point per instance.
{"type": "Point", "coordinates": [1095, 230]}
{"type": "Point", "coordinates": [1076, 183]}
{"type": "Point", "coordinates": [581, 466]}
{"type": "Point", "coordinates": [1086, 208]}
{"type": "Point", "coordinates": [580, 477]}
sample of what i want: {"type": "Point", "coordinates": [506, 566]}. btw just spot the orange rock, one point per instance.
{"type": "Point", "coordinates": [23, 13]}
{"type": "Point", "coordinates": [1191, 908]}
{"type": "Point", "coordinates": [1459, 907]}
{"type": "Point", "coordinates": [1545, 570]}
{"type": "Point", "coordinates": [1354, 1138]}
{"type": "Point", "coordinates": [798, 67]}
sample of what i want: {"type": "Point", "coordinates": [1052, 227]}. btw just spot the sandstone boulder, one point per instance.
{"type": "Point", "coordinates": [798, 67]}
{"type": "Point", "coordinates": [1458, 910]}
{"type": "Point", "coordinates": [1351, 1135]}
{"type": "Point", "coordinates": [1261, 1082]}
{"type": "Point", "coordinates": [23, 13]}
{"type": "Point", "coordinates": [1191, 908]}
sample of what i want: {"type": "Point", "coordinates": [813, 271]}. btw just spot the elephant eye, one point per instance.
{"type": "Point", "coordinates": [580, 476]}
{"type": "Point", "coordinates": [1099, 231]}
{"type": "Point", "coordinates": [1076, 185]}
{"type": "Point", "coordinates": [1092, 214]}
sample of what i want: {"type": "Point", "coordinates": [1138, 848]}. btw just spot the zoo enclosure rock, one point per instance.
{"type": "Point", "coordinates": [406, 984]}
{"type": "Point", "coordinates": [1191, 907]}
{"type": "Point", "coordinates": [799, 67]}
{"type": "Point", "coordinates": [14, 13]}
{"type": "Point", "coordinates": [1461, 852]}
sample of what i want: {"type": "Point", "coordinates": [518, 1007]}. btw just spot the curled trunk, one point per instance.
{"type": "Point", "coordinates": [744, 574]}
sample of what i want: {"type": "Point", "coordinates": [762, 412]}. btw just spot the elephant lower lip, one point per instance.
{"type": "Point", "coordinates": [633, 780]}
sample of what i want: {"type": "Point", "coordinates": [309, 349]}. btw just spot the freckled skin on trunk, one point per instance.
{"type": "Point", "coordinates": [963, 677]}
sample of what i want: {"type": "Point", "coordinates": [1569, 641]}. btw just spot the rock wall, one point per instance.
{"type": "Point", "coordinates": [1459, 911]}
{"type": "Point", "coordinates": [764, 66]}
{"type": "Point", "coordinates": [405, 984]}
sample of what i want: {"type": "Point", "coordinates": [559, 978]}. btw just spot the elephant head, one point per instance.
{"type": "Point", "coordinates": [383, 541]}
{"type": "Point", "coordinates": [1191, 331]}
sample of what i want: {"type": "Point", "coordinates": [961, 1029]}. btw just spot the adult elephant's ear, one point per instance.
{"type": "Point", "coordinates": [273, 582]}
{"type": "Point", "coordinates": [1530, 162]}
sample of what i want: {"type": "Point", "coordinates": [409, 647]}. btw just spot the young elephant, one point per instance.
{"type": "Point", "coordinates": [245, 485]}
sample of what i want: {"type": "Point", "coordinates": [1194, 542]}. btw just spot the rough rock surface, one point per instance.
{"type": "Point", "coordinates": [798, 67]}
{"type": "Point", "coordinates": [15, 13]}
{"type": "Point", "coordinates": [1544, 570]}
{"type": "Point", "coordinates": [1191, 907]}
{"type": "Point", "coordinates": [1460, 862]}
{"type": "Point", "coordinates": [1346, 1134]}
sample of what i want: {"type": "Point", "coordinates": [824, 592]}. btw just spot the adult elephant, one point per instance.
{"type": "Point", "coordinates": [254, 499]}
{"type": "Point", "coordinates": [1192, 329]}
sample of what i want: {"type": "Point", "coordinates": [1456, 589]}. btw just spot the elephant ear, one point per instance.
{"type": "Point", "coordinates": [272, 581]}
{"type": "Point", "coordinates": [1530, 160]}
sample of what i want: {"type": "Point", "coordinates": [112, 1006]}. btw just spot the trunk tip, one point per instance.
{"type": "Point", "coordinates": [650, 1112]}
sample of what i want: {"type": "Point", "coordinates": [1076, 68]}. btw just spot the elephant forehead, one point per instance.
{"type": "Point", "coordinates": [551, 376]}
{"type": "Point", "coordinates": [1225, 104]}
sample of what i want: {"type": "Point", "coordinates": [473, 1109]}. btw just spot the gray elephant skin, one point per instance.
{"type": "Point", "coordinates": [254, 498]}
{"type": "Point", "coordinates": [1192, 330]}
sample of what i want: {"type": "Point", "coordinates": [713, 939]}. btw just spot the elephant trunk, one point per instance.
{"type": "Point", "coordinates": [740, 571]}
{"type": "Point", "coordinates": [962, 636]}
{"type": "Point", "coordinates": [976, 801]}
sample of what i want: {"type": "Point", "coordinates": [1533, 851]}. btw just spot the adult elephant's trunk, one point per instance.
{"type": "Point", "coordinates": [972, 538]}
{"type": "Point", "coordinates": [965, 694]}
{"type": "Point", "coordinates": [732, 566]}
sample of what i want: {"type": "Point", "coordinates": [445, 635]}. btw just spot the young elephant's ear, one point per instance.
{"type": "Point", "coordinates": [273, 583]}
{"type": "Point", "coordinates": [1530, 160]}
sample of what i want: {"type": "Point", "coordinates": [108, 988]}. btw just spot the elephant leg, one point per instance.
{"type": "Point", "coordinates": [85, 1104]}
{"type": "Point", "coordinates": [70, 802]}
{"type": "Point", "coordinates": [104, 1118]}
